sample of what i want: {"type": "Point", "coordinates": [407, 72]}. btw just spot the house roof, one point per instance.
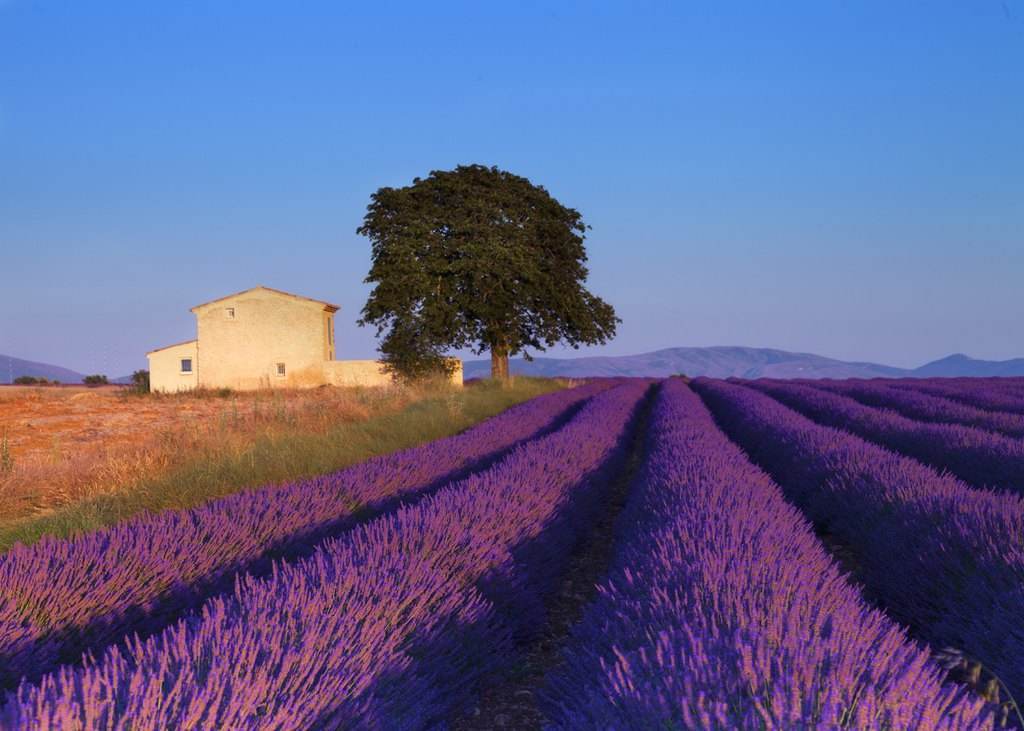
{"type": "Point", "coordinates": [173, 345]}
{"type": "Point", "coordinates": [327, 305]}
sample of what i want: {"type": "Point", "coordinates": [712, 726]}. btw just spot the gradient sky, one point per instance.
{"type": "Point", "coordinates": [845, 178]}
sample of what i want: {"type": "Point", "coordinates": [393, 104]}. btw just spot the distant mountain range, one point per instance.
{"type": "Point", "coordinates": [11, 368]}
{"type": "Point", "coordinates": [962, 365]}
{"type": "Point", "coordinates": [740, 362]}
{"type": "Point", "coordinates": [717, 362]}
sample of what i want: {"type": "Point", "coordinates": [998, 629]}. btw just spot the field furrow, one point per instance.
{"type": "Point", "coordinates": [509, 698]}
{"type": "Point", "coordinates": [979, 457]}
{"type": "Point", "coordinates": [389, 626]}
{"type": "Point", "coordinates": [942, 557]}
{"type": "Point", "coordinates": [61, 597]}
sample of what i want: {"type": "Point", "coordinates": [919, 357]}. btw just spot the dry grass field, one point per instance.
{"type": "Point", "coordinates": [72, 443]}
{"type": "Point", "coordinates": [74, 458]}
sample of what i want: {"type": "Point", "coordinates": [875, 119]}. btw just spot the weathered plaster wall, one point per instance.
{"type": "Point", "coordinates": [367, 373]}
{"type": "Point", "coordinates": [242, 351]}
{"type": "Point", "coordinates": [456, 378]}
{"type": "Point", "coordinates": [355, 373]}
{"type": "Point", "coordinates": [165, 368]}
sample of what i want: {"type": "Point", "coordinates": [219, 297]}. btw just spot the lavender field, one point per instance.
{"type": "Point", "coordinates": [625, 554]}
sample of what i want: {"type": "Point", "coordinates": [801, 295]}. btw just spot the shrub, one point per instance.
{"type": "Point", "coordinates": [34, 381]}
{"type": "Point", "coordinates": [95, 380]}
{"type": "Point", "coordinates": [140, 381]}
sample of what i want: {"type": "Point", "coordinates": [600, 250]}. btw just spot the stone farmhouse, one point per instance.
{"type": "Point", "coordinates": [262, 338]}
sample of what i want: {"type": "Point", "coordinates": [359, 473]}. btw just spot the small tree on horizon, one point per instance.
{"type": "Point", "coordinates": [477, 258]}
{"type": "Point", "coordinates": [95, 380]}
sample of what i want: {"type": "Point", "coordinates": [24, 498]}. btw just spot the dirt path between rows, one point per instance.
{"type": "Point", "coordinates": [509, 700]}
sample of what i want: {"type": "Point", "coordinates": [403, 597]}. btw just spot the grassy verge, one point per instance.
{"type": "Point", "coordinates": [215, 469]}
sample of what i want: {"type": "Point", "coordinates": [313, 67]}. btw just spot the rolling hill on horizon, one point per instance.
{"type": "Point", "coordinates": [714, 361]}
{"type": "Point", "coordinates": [959, 364]}
{"type": "Point", "coordinates": [744, 362]}
{"type": "Point", "coordinates": [11, 368]}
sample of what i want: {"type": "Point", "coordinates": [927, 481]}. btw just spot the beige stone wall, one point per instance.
{"type": "Point", "coordinates": [456, 378]}
{"type": "Point", "coordinates": [355, 373]}
{"type": "Point", "coordinates": [165, 372]}
{"type": "Point", "coordinates": [328, 335]}
{"type": "Point", "coordinates": [242, 340]}
{"type": "Point", "coordinates": [367, 373]}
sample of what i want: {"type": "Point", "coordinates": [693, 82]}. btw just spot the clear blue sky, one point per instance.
{"type": "Point", "coordinates": [845, 178]}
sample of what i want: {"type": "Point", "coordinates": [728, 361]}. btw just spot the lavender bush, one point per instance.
{"type": "Point", "coordinates": [386, 627]}
{"type": "Point", "coordinates": [59, 597]}
{"type": "Point", "coordinates": [723, 611]}
{"type": "Point", "coordinates": [924, 407]}
{"type": "Point", "coordinates": [943, 558]}
{"type": "Point", "coordinates": [977, 456]}
{"type": "Point", "coordinates": [984, 395]}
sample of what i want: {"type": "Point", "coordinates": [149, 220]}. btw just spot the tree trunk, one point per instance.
{"type": "Point", "coordinates": [499, 362]}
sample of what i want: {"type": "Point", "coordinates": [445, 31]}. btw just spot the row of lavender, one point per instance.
{"type": "Point", "coordinates": [944, 558]}
{"type": "Point", "coordinates": [388, 626]}
{"type": "Point", "coordinates": [723, 610]}
{"type": "Point", "coordinates": [1002, 394]}
{"type": "Point", "coordinates": [982, 458]}
{"type": "Point", "coordinates": [923, 406]}
{"type": "Point", "coordinates": [59, 598]}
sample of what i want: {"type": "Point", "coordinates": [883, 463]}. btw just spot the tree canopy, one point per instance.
{"type": "Point", "coordinates": [477, 258]}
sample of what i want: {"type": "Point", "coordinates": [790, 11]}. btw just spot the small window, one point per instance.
{"type": "Point", "coordinates": [186, 365]}
{"type": "Point", "coordinates": [280, 369]}
{"type": "Point", "coordinates": [229, 313]}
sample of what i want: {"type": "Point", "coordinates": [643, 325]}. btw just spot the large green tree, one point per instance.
{"type": "Point", "coordinates": [477, 258]}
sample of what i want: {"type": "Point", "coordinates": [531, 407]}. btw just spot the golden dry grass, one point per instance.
{"type": "Point", "coordinates": [70, 444]}
{"type": "Point", "coordinates": [83, 458]}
